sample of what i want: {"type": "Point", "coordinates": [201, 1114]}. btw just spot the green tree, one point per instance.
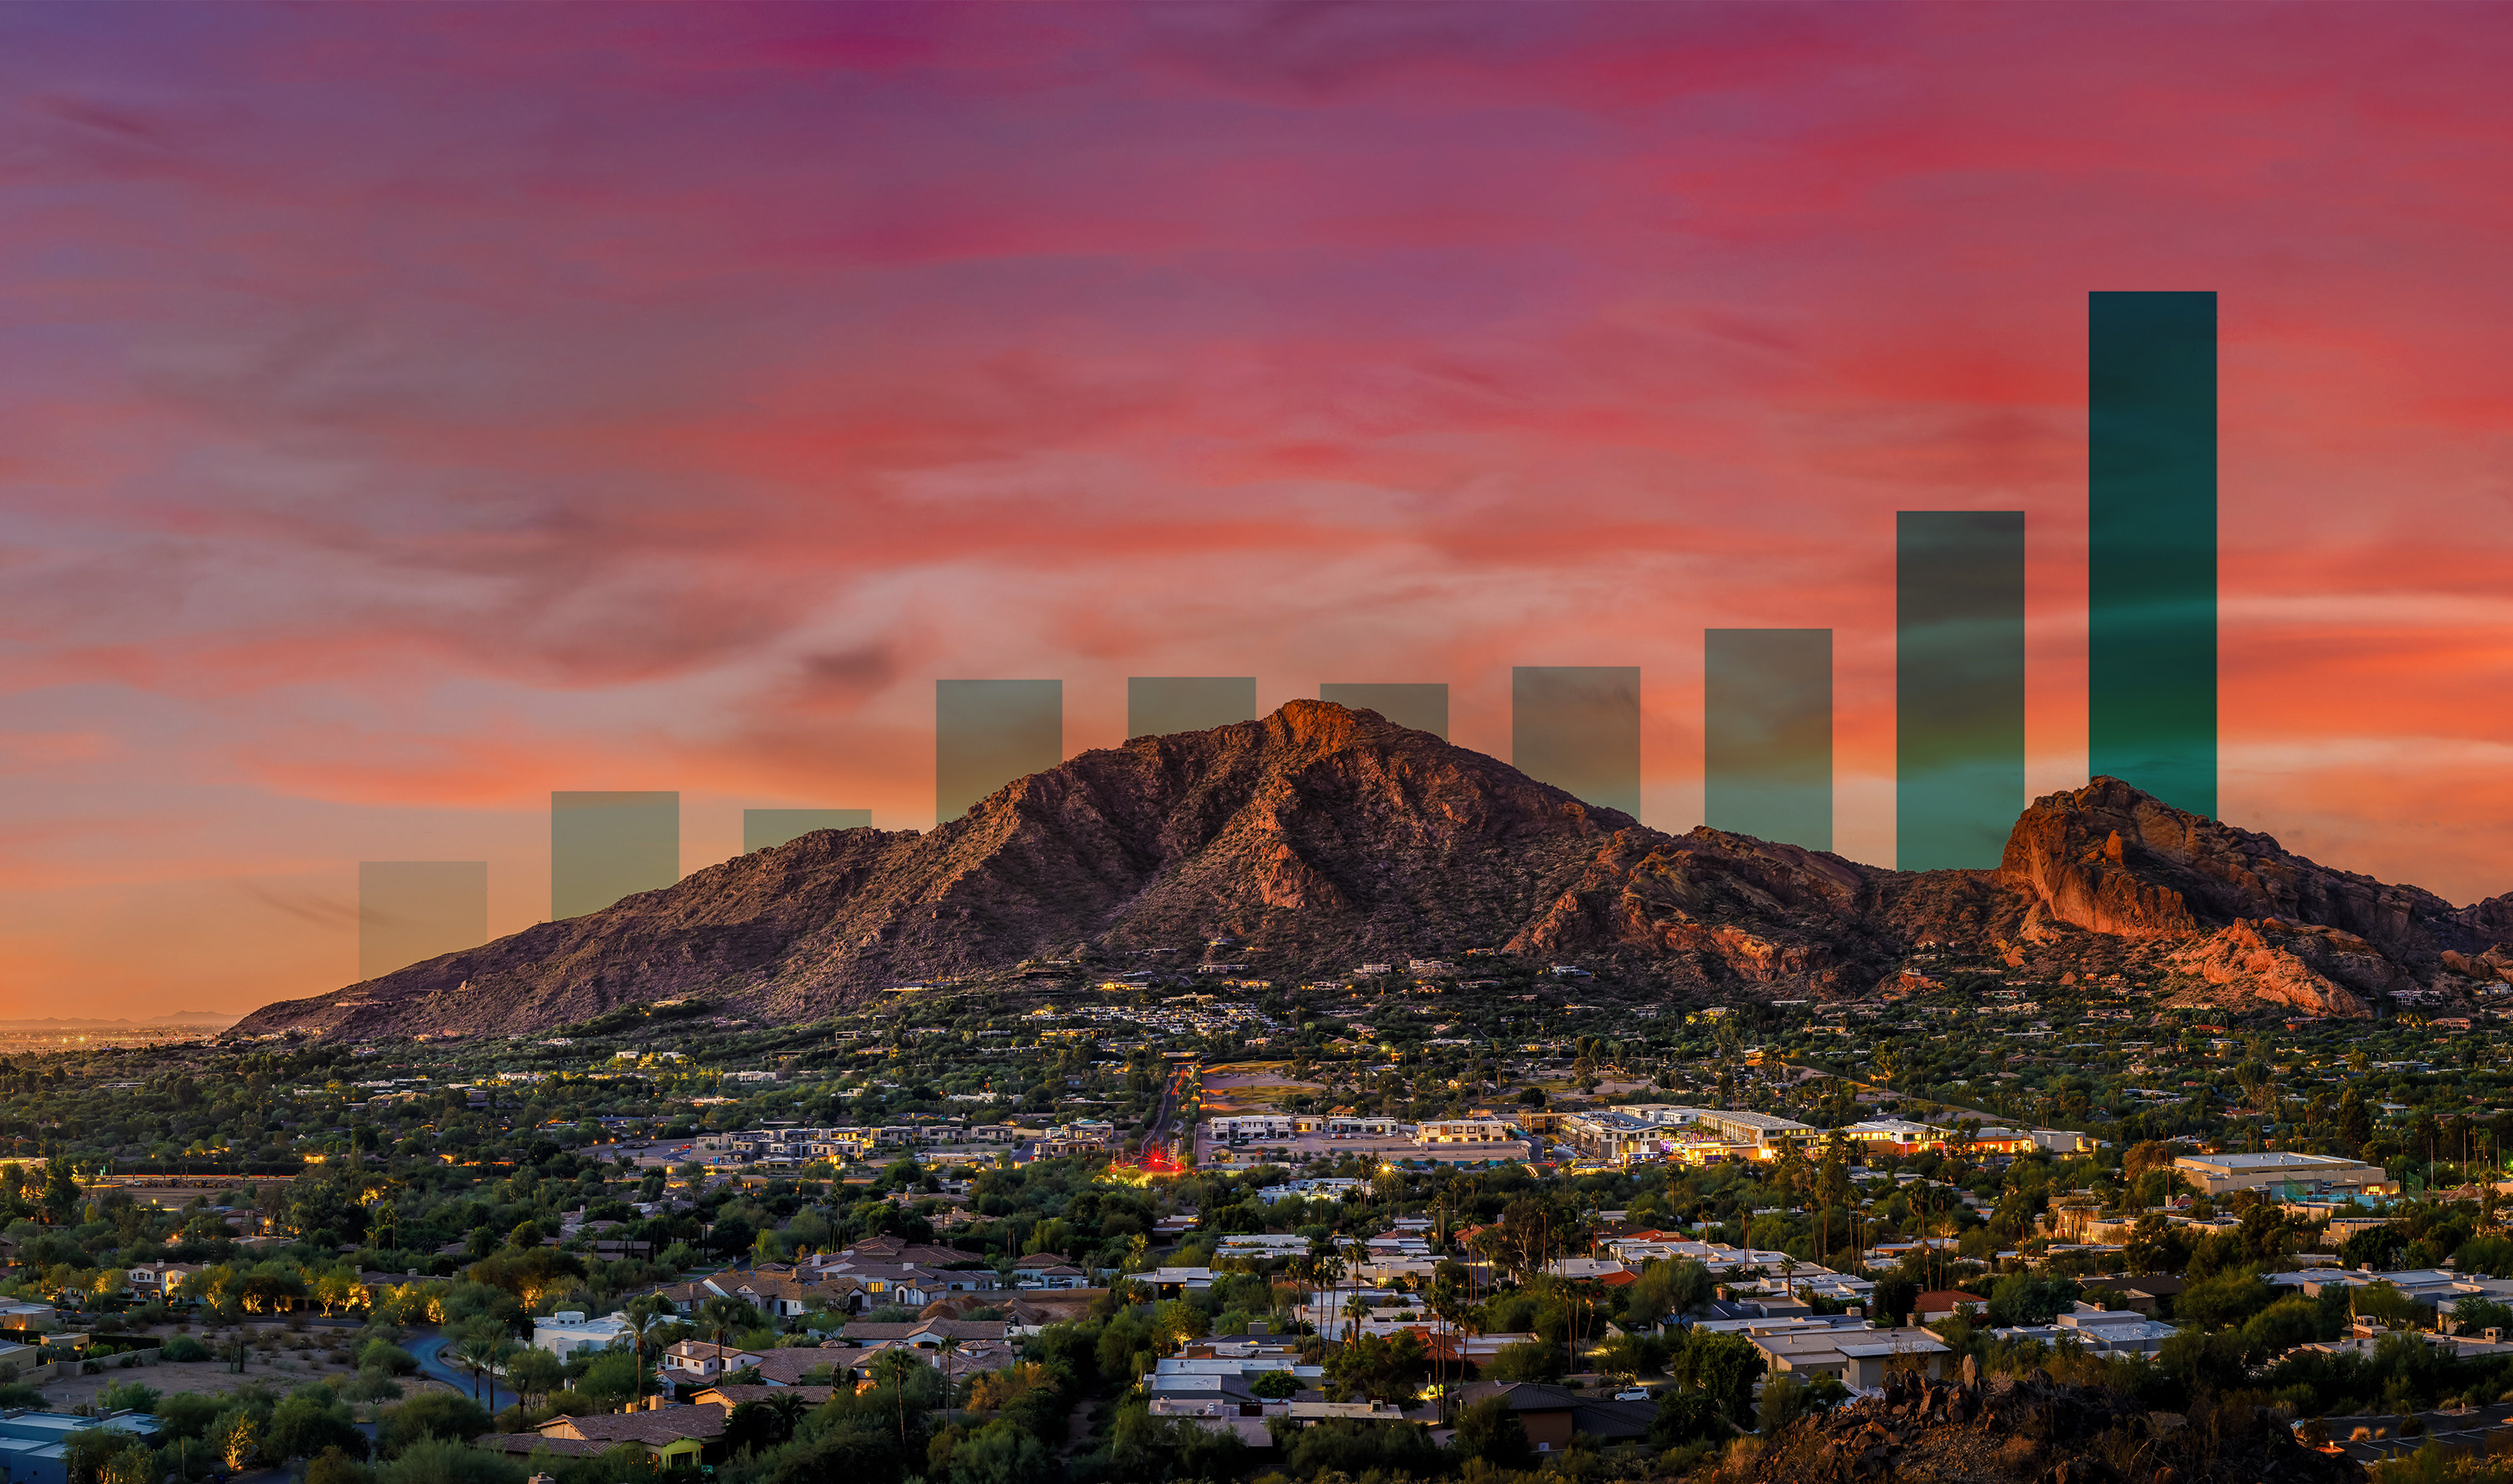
{"type": "Point", "coordinates": [1490, 1431]}
{"type": "Point", "coordinates": [436, 1460]}
{"type": "Point", "coordinates": [535, 1374]}
{"type": "Point", "coordinates": [1526, 1360]}
{"type": "Point", "coordinates": [88, 1452]}
{"type": "Point", "coordinates": [1276, 1386]}
{"type": "Point", "coordinates": [1001, 1453]}
{"type": "Point", "coordinates": [310, 1422]}
{"type": "Point", "coordinates": [1722, 1367]}
{"type": "Point", "coordinates": [333, 1466]}
{"type": "Point", "coordinates": [1379, 1368]}
{"type": "Point", "coordinates": [440, 1415]}
{"type": "Point", "coordinates": [60, 1191]}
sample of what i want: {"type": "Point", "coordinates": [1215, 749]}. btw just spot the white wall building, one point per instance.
{"type": "Point", "coordinates": [568, 1332]}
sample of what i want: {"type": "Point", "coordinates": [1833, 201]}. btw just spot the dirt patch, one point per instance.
{"type": "Point", "coordinates": [1250, 1090]}
{"type": "Point", "coordinates": [285, 1366]}
{"type": "Point", "coordinates": [211, 1377]}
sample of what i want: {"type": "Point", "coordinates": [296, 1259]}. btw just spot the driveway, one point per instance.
{"type": "Point", "coordinates": [434, 1365]}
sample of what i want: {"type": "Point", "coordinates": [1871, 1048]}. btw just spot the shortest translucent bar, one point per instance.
{"type": "Point", "coordinates": [410, 912]}
{"type": "Point", "coordinates": [1422, 707]}
{"type": "Point", "coordinates": [1767, 733]}
{"type": "Point", "coordinates": [608, 845]}
{"type": "Point", "coordinates": [1157, 705]}
{"type": "Point", "coordinates": [762, 829]}
{"type": "Point", "coordinates": [1579, 728]}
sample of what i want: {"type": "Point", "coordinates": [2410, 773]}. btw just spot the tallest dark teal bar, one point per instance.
{"type": "Point", "coordinates": [2151, 558]}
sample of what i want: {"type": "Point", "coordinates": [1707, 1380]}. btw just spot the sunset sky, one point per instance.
{"type": "Point", "coordinates": [408, 410]}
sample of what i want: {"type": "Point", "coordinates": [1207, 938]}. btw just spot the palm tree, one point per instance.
{"type": "Point", "coordinates": [478, 1354]}
{"type": "Point", "coordinates": [721, 1316]}
{"type": "Point", "coordinates": [893, 1366]}
{"type": "Point", "coordinates": [645, 1316]}
{"type": "Point", "coordinates": [945, 1352]}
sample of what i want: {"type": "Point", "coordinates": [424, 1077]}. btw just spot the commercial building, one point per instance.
{"type": "Point", "coordinates": [1251, 1126]}
{"type": "Point", "coordinates": [1694, 1136]}
{"type": "Point", "coordinates": [2217, 1174]}
{"type": "Point", "coordinates": [1463, 1131]}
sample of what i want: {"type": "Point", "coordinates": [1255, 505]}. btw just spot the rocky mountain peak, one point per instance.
{"type": "Point", "coordinates": [1318, 839]}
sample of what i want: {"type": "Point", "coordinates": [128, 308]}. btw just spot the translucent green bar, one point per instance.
{"type": "Point", "coordinates": [1157, 705]}
{"type": "Point", "coordinates": [609, 845]}
{"type": "Point", "coordinates": [762, 829]}
{"type": "Point", "coordinates": [2151, 544]}
{"type": "Point", "coordinates": [1422, 707]}
{"type": "Point", "coordinates": [1579, 728]}
{"type": "Point", "coordinates": [1959, 685]}
{"type": "Point", "coordinates": [1767, 733]}
{"type": "Point", "coordinates": [987, 733]}
{"type": "Point", "coordinates": [410, 912]}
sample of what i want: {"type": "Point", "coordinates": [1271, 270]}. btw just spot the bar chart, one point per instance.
{"type": "Point", "coordinates": [410, 912]}
{"type": "Point", "coordinates": [1959, 685]}
{"type": "Point", "coordinates": [605, 845]}
{"type": "Point", "coordinates": [1767, 733]}
{"type": "Point", "coordinates": [987, 733]}
{"type": "Point", "coordinates": [1768, 717]}
{"type": "Point", "coordinates": [1579, 728]}
{"type": "Point", "coordinates": [2151, 544]}
{"type": "Point", "coordinates": [1158, 705]}
{"type": "Point", "coordinates": [765, 829]}
{"type": "Point", "coordinates": [1419, 706]}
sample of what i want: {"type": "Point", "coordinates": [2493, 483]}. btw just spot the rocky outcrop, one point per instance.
{"type": "Point", "coordinates": [2030, 1429]}
{"type": "Point", "coordinates": [1319, 838]}
{"type": "Point", "coordinates": [2284, 963]}
{"type": "Point", "coordinates": [2113, 860]}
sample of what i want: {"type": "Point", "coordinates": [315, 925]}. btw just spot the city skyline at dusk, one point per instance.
{"type": "Point", "coordinates": [410, 412]}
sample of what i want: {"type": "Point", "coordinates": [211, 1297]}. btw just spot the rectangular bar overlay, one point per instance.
{"type": "Point", "coordinates": [2151, 544]}
{"type": "Point", "coordinates": [1422, 707]}
{"type": "Point", "coordinates": [1579, 728]}
{"type": "Point", "coordinates": [410, 912]}
{"type": "Point", "coordinates": [1959, 685]}
{"type": "Point", "coordinates": [1767, 733]}
{"type": "Point", "coordinates": [605, 845]}
{"type": "Point", "coordinates": [1157, 705]}
{"type": "Point", "coordinates": [987, 733]}
{"type": "Point", "coordinates": [763, 829]}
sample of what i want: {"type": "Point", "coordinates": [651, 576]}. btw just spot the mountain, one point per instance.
{"type": "Point", "coordinates": [1319, 838]}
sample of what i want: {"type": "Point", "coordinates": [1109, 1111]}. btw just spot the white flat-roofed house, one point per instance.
{"type": "Point", "coordinates": [570, 1333]}
{"type": "Point", "coordinates": [1263, 1245]}
{"type": "Point", "coordinates": [1862, 1359]}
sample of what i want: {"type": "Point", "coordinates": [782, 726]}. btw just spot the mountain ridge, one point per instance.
{"type": "Point", "coordinates": [1319, 837]}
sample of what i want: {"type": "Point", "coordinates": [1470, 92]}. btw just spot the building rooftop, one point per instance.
{"type": "Point", "coordinates": [2270, 1159]}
